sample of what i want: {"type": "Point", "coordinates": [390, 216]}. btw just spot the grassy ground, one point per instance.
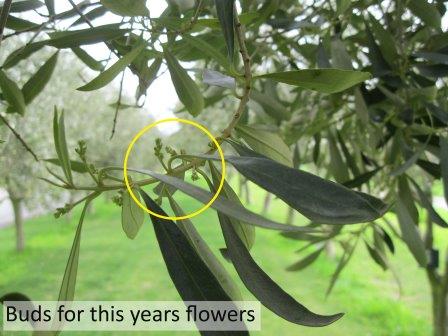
{"type": "Point", "coordinates": [115, 268]}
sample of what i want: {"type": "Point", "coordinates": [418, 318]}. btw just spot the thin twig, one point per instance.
{"type": "Point", "coordinates": [17, 135]}
{"type": "Point", "coordinates": [240, 34]}
{"type": "Point", "coordinates": [4, 17]}
{"type": "Point", "coordinates": [193, 20]}
{"type": "Point", "coordinates": [225, 134]}
{"type": "Point", "coordinates": [117, 109]}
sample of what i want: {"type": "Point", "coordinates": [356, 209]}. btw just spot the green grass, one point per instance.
{"type": "Point", "coordinates": [113, 267]}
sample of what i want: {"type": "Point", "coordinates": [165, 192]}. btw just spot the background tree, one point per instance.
{"type": "Point", "coordinates": [352, 90]}
{"type": "Point", "coordinates": [21, 175]}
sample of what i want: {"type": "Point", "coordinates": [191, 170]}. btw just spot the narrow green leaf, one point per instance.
{"type": "Point", "coordinates": [186, 88]}
{"type": "Point", "coordinates": [24, 6]}
{"type": "Point", "coordinates": [109, 75]}
{"type": "Point", "coordinates": [243, 230]}
{"type": "Point", "coordinates": [12, 94]}
{"type": "Point", "coordinates": [444, 164]}
{"type": "Point", "coordinates": [322, 80]}
{"type": "Point", "coordinates": [67, 291]}
{"type": "Point", "coordinates": [126, 7]}
{"type": "Point", "coordinates": [36, 84]}
{"type": "Point", "coordinates": [339, 55]}
{"type": "Point", "coordinates": [266, 143]}
{"type": "Point", "coordinates": [426, 203]}
{"type": "Point", "coordinates": [361, 179]}
{"type": "Point", "coordinates": [225, 11]}
{"type": "Point", "coordinates": [305, 262]}
{"type": "Point", "coordinates": [426, 11]}
{"type": "Point", "coordinates": [407, 198]}
{"type": "Point", "coordinates": [50, 6]}
{"type": "Point", "coordinates": [87, 59]}
{"type": "Point", "coordinates": [191, 276]}
{"type": "Point", "coordinates": [361, 107]}
{"type": "Point", "coordinates": [270, 105]}
{"type": "Point", "coordinates": [92, 15]}
{"type": "Point", "coordinates": [407, 164]}
{"type": "Point", "coordinates": [222, 204]}
{"type": "Point", "coordinates": [386, 238]}
{"type": "Point", "coordinates": [132, 216]}
{"type": "Point", "coordinates": [66, 39]}
{"type": "Point", "coordinates": [22, 53]}
{"type": "Point", "coordinates": [386, 42]}
{"type": "Point", "coordinates": [318, 199]}
{"type": "Point", "coordinates": [163, 189]}
{"type": "Point", "coordinates": [380, 66]}
{"type": "Point", "coordinates": [209, 49]}
{"type": "Point", "coordinates": [431, 168]}
{"type": "Point", "coordinates": [410, 233]}
{"type": "Point", "coordinates": [205, 252]}
{"type": "Point", "coordinates": [19, 24]}
{"type": "Point", "coordinates": [436, 57]}
{"type": "Point", "coordinates": [338, 167]}
{"type": "Point", "coordinates": [348, 253]}
{"type": "Point", "coordinates": [342, 6]}
{"type": "Point", "coordinates": [78, 167]}
{"type": "Point", "coordinates": [377, 256]}
{"type": "Point", "coordinates": [351, 162]}
{"type": "Point", "coordinates": [264, 288]}
{"type": "Point", "coordinates": [61, 144]}
{"type": "Point", "coordinates": [75, 38]}
{"type": "Point", "coordinates": [148, 76]}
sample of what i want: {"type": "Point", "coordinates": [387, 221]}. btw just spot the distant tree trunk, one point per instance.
{"type": "Point", "coordinates": [439, 306]}
{"type": "Point", "coordinates": [266, 203]}
{"type": "Point", "coordinates": [290, 216]}
{"type": "Point", "coordinates": [18, 221]}
{"type": "Point", "coordinates": [438, 282]}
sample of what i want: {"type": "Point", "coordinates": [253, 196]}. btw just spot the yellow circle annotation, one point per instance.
{"type": "Point", "coordinates": [184, 121]}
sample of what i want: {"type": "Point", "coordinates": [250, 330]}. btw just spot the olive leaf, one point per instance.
{"type": "Point", "coordinates": [132, 216]}
{"type": "Point", "coordinates": [50, 6]}
{"type": "Point", "coordinates": [267, 143]}
{"type": "Point", "coordinates": [186, 88]}
{"type": "Point", "coordinates": [225, 11]}
{"type": "Point", "coordinates": [61, 144]}
{"type": "Point", "coordinates": [322, 80]}
{"type": "Point", "coordinates": [87, 59]}
{"type": "Point", "coordinates": [12, 94]}
{"type": "Point", "coordinates": [126, 7]}
{"type": "Point", "coordinates": [200, 43]}
{"type": "Point", "coordinates": [205, 252]}
{"type": "Point", "coordinates": [305, 262]}
{"type": "Point", "coordinates": [76, 166]}
{"type": "Point", "coordinates": [426, 11]}
{"type": "Point", "coordinates": [67, 291]}
{"type": "Point", "coordinates": [24, 6]}
{"type": "Point", "coordinates": [319, 200]}
{"type": "Point", "coordinates": [36, 84]}
{"type": "Point", "coordinates": [264, 288]}
{"type": "Point", "coordinates": [222, 204]}
{"type": "Point", "coordinates": [410, 233]}
{"type": "Point", "coordinates": [108, 75]}
{"type": "Point", "coordinates": [244, 231]}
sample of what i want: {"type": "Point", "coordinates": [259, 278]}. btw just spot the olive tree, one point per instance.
{"type": "Point", "coordinates": [351, 90]}
{"type": "Point", "coordinates": [23, 176]}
